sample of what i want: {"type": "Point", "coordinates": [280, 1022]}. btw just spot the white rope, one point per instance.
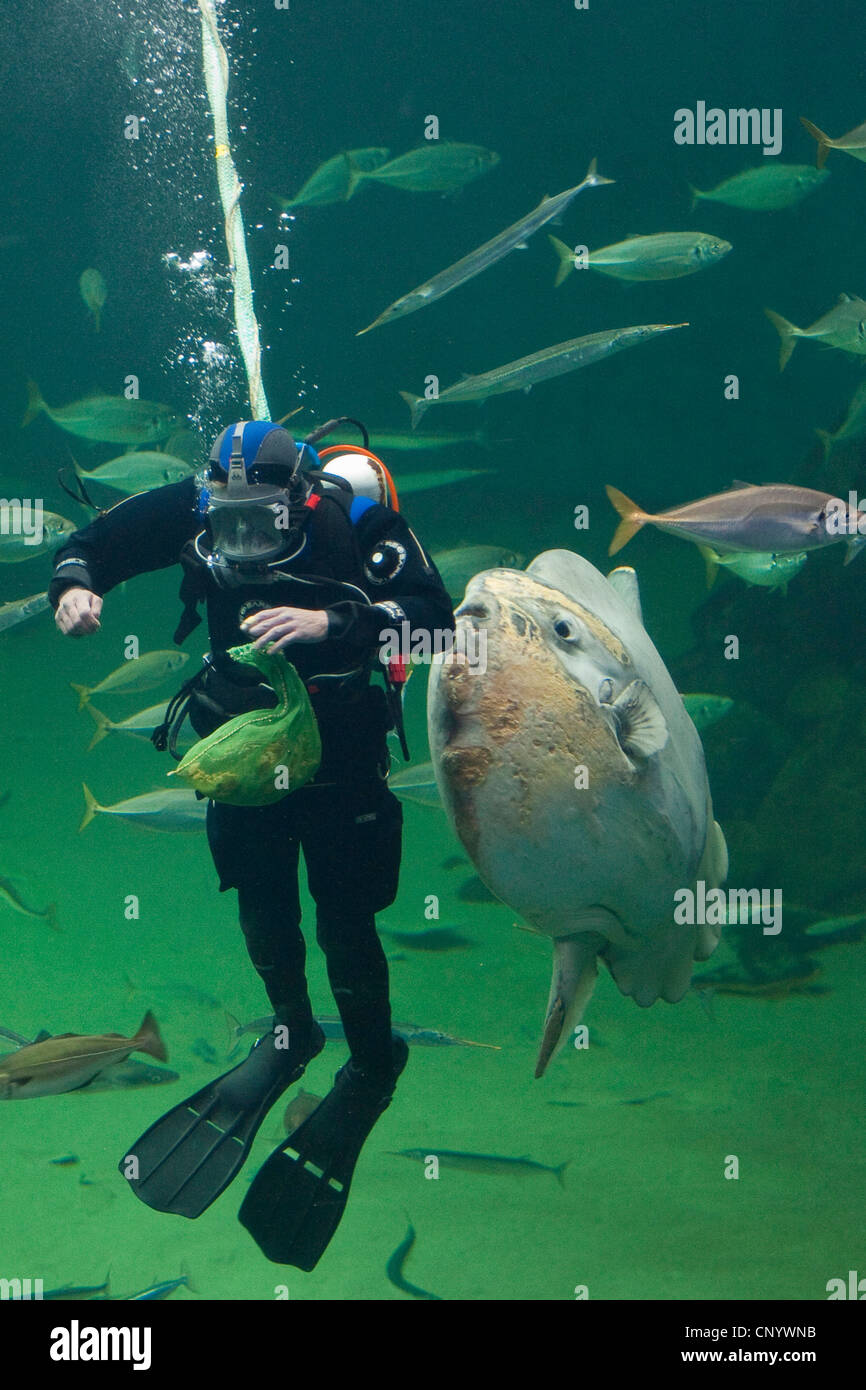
{"type": "Point", "coordinates": [216, 72]}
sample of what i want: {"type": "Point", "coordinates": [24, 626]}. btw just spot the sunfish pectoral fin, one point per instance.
{"type": "Point", "coordinates": [640, 724]}
{"type": "Point", "coordinates": [854, 545]}
{"type": "Point", "coordinates": [575, 969]}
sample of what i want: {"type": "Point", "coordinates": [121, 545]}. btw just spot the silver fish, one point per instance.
{"type": "Point", "coordinates": [456, 567]}
{"type": "Point", "coordinates": [163, 810]}
{"type": "Point", "coordinates": [71, 1060]}
{"type": "Point", "coordinates": [854, 143]}
{"type": "Point", "coordinates": [527, 372]}
{"type": "Point", "coordinates": [137, 472]}
{"type": "Point", "coordinates": [432, 168]}
{"type": "Point", "coordinates": [705, 710]}
{"type": "Point", "coordinates": [407, 483]}
{"type": "Point", "coordinates": [108, 419]}
{"type": "Point", "coordinates": [414, 442]}
{"type": "Point", "coordinates": [140, 725]}
{"type": "Point", "coordinates": [842, 327]}
{"type": "Point", "coordinates": [332, 181]}
{"type": "Point", "coordinates": [768, 188]}
{"type": "Point", "coordinates": [492, 251]}
{"type": "Point", "coordinates": [332, 1027]}
{"type": "Point", "coordinates": [94, 292]}
{"type": "Point", "coordinates": [663, 256]}
{"type": "Point", "coordinates": [777, 518]}
{"type": "Point", "coordinates": [20, 609]}
{"type": "Point", "coordinates": [766, 569]}
{"type": "Point", "coordinates": [493, 1165]}
{"type": "Point", "coordinates": [416, 784]}
{"type": "Point", "coordinates": [18, 545]}
{"type": "Point", "coordinates": [12, 898]}
{"type": "Point", "coordinates": [139, 673]}
{"type": "Point", "coordinates": [852, 427]}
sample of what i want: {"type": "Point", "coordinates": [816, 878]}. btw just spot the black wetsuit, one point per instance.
{"type": "Point", "coordinates": [346, 821]}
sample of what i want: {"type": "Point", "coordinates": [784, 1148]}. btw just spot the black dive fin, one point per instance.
{"type": "Point", "coordinates": [189, 1156]}
{"type": "Point", "coordinates": [296, 1200]}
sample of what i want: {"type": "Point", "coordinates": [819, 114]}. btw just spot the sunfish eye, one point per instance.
{"type": "Point", "coordinates": [605, 691]}
{"type": "Point", "coordinates": [566, 630]}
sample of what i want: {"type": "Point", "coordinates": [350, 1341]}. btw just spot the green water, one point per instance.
{"type": "Point", "coordinates": [645, 1210]}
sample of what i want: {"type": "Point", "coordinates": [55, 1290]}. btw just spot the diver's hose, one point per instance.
{"type": "Point", "coordinates": [216, 72]}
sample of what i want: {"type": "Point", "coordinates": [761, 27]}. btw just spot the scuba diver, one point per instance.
{"type": "Point", "coordinates": [307, 559]}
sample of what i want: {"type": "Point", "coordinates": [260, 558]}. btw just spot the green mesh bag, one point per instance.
{"type": "Point", "coordinates": [258, 757]}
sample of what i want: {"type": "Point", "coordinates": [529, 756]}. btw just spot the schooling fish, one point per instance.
{"type": "Point", "coordinates": [778, 518]}
{"type": "Point", "coordinates": [332, 1027]}
{"type": "Point", "coordinates": [852, 427]}
{"type": "Point", "coordinates": [432, 939]}
{"type": "Point", "coordinates": [72, 1060]}
{"type": "Point", "coordinates": [766, 569]}
{"type": "Point", "coordinates": [705, 710]}
{"type": "Point", "coordinates": [78, 1291]}
{"type": "Point", "coordinates": [416, 784]}
{"type": "Point", "coordinates": [854, 143]}
{"type": "Point", "coordinates": [137, 472]}
{"type": "Point", "coordinates": [94, 292]}
{"type": "Point", "coordinates": [842, 327]}
{"type": "Point", "coordinates": [161, 810]}
{"type": "Point", "coordinates": [300, 1108]}
{"type": "Point", "coordinates": [456, 567]}
{"type": "Point", "coordinates": [140, 725]}
{"type": "Point", "coordinates": [493, 1165]}
{"type": "Point", "coordinates": [332, 181]}
{"type": "Point", "coordinates": [108, 419]}
{"type": "Point", "coordinates": [767, 188]}
{"type": "Point", "coordinates": [20, 609]}
{"type": "Point", "coordinates": [432, 168]}
{"type": "Point", "coordinates": [663, 256]}
{"type": "Point", "coordinates": [12, 898]}
{"type": "Point", "coordinates": [513, 238]}
{"type": "Point", "coordinates": [414, 442]}
{"type": "Point", "coordinates": [41, 533]}
{"type": "Point", "coordinates": [550, 362]}
{"type": "Point", "coordinates": [139, 673]}
{"type": "Point", "coordinates": [394, 1268]}
{"type": "Point", "coordinates": [446, 477]}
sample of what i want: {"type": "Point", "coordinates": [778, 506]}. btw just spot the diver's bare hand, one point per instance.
{"type": "Point", "coordinates": [275, 628]}
{"type": "Point", "coordinates": [78, 612]}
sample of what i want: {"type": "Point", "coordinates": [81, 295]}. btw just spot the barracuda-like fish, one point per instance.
{"type": "Point", "coordinates": [20, 609]}
{"type": "Point", "coordinates": [484, 256]}
{"type": "Point", "coordinates": [550, 362]}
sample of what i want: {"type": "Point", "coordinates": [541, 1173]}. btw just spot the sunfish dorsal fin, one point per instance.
{"type": "Point", "coordinates": [641, 725]}
{"type": "Point", "coordinates": [623, 581]}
